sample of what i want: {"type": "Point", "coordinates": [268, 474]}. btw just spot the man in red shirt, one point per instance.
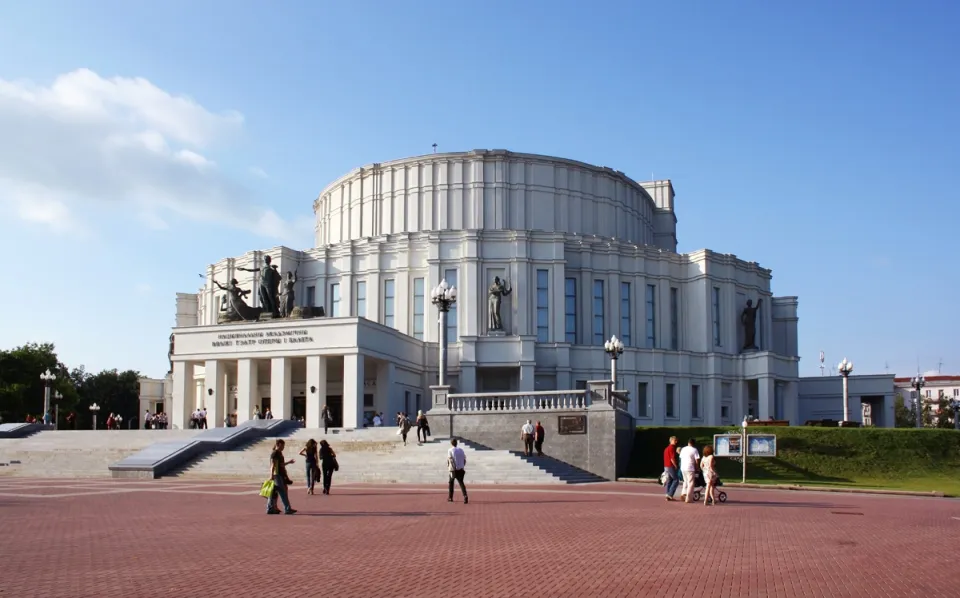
{"type": "Point", "coordinates": [670, 466]}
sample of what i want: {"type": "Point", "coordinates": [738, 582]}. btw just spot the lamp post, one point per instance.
{"type": "Point", "coordinates": [94, 409]}
{"type": "Point", "coordinates": [955, 405]}
{"type": "Point", "coordinates": [743, 449]}
{"type": "Point", "coordinates": [918, 383]}
{"type": "Point", "coordinates": [613, 348]}
{"type": "Point", "coordinates": [57, 397]}
{"type": "Point", "coordinates": [443, 297]}
{"type": "Point", "coordinates": [47, 378]}
{"type": "Point", "coordinates": [845, 368]}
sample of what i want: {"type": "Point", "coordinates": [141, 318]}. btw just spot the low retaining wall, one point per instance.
{"type": "Point", "coordinates": [22, 430]}
{"type": "Point", "coordinates": [598, 438]}
{"type": "Point", "coordinates": [163, 457]}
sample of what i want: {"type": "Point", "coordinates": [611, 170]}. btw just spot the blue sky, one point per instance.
{"type": "Point", "coordinates": [819, 141]}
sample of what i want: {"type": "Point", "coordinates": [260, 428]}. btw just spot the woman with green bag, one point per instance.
{"type": "Point", "coordinates": [278, 473]}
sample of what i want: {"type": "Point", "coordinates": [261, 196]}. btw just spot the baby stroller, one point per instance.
{"type": "Point", "coordinates": [698, 486]}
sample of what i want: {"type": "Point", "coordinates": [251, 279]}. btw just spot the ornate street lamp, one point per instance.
{"type": "Point", "coordinates": [94, 409]}
{"type": "Point", "coordinates": [845, 368]}
{"type": "Point", "coordinates": [955, 405]}
{"type": "Point", "coordinates": [918, 383]}
{"type": "Point", "coordinates": [613, 348]}
{"type": "Point", "coordinates": [57, 397]}
{"type": "Point", "coordinates": [444, 296]}
{"type": "Point", "coordinates": [47, 378]}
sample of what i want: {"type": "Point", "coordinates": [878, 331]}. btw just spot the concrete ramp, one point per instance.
{"type": "Point", "coordinates": [162, 457]}
{"type": "Point", "coordinates": [21, 430]}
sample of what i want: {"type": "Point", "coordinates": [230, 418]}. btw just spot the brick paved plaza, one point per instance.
{"type": "Point", "coordinates": [160, 538]}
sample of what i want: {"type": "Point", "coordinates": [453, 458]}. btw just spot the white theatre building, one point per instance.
{"type": "Point", "coordinates": [587, 252]}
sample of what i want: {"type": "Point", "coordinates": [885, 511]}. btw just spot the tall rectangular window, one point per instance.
{"type": "Point", "coordinates": [451, 277]}
{"type": "Point", "coordinates": [543, 306]}
{"type": "Point", "coordinates": [651, 316]}
{"type": "Point", "coordinates": [389, 296]}
{"type": "Point", "coordinates": [311, 296]}
{"type": "Point", "coordinates": [674, 319]}
{"type": "Point", "coordinates": [598, 331]}
{"type": "Point", "coordinates": [642, 390]}
{"type": "Point", "coordinates": [361, 299]}
{"type": "Point", "coordinates": [716, 317]}
{"type": "Point", "coordinates": [625, 313]}
{"type": "Point", "coordinates": [695, 401]}
{"type": "Point", "coordinates": [335, 300]}
{"type": "Point", "coordinates": [570, 310]}
{"type": "Point", "coordinates": [671, 401]}
{"type": "Point", "coordinates": [418, 306]}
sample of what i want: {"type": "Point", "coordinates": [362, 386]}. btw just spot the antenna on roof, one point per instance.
{"type": "Point", "coordinates": [821, 362]}
{"type": "Point", "coordinates": [886, 366]}
{"type": "Point", "coordinates": [434, 148]}
{"type": "Point", "coordinates": [940, 366]}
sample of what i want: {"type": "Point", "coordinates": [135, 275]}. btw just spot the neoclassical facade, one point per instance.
{"type": "Point", "coordinates": [586, 252]}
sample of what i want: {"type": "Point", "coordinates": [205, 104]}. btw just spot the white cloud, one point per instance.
{"type": "Point", "coordinates": [258, 172]}
{"type": "Point", "coordinates": [143, 288]}
{"type": "Point", "coordinates": [123, 142]}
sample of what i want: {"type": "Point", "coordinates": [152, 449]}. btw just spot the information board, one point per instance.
{"type": "Point", "coordinates": [727, 445]}
{"type": "Point", "coordinates": [762, 445]}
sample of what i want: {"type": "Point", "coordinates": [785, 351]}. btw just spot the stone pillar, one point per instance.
{"type": "Point", "coordinates": [247, 383]}
{"type": "Point", "coordinates": [316, 389]}
{"type": "Point", "coordinates": [386, 372]}
{"type": "Point", "coordinates": [527, 378]}
{"type": "Point", "coordinates": [711, 399]}
{"type": "Point", "coordinates": [353, 391]}
{"type": "Point", "coordinates": [214, 401]}
{"type": "Point", "coordinates": [766, 397]}
{"type": "Point", "coordinates": [281, 400]}
{"type": "Point", "coordinates": [182, 395]}
{"type": "Point", "coordinates": [440, 399]}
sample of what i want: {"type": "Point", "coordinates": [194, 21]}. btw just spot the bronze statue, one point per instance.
{"type": "Point", "coordinates": [237, 308]}
{"type": "Point", "coordinates": [269, 287]}
{"type": "Point", "coordinates": [497, 291]}
{"type": "Point", "coordinates": [287, 298]}
{"type": "Point", "coordinates": [170, 352]}
{"type": "Point", "coordinates": [748, 317]}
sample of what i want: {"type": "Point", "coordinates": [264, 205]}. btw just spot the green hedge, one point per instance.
{"type": "Point", "coordinates": [811, 455]}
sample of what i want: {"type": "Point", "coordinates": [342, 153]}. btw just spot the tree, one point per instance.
{"type": "Point", "coordinates": [22, 391]}
{"type": "Point", "coordinates": [115, 392]}
{"type": "Point", "coordinates": [945, 414]}
{"type": "Point", "coordinates": [903, 416]}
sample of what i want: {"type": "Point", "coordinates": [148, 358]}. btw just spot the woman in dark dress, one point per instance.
{"type": "Point", "coordinates": [328, 465]}
{"type": "Point", "coordinates": [309, 453]}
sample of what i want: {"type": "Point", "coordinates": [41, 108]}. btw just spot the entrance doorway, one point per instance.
{"type": "Point", "coordinates": [335, 405]}
{"type": "Point", "coordinates": [264, 405]}
{"type": "Point", "coordinates": [299, 407]}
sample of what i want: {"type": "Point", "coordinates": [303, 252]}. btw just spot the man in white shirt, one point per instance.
{"type": "Point", "coordinates": [689, 457]}
{"type": "Point", "coordinates": [526, 434]}
{"type": "Point", "coordinates": [456, 463]}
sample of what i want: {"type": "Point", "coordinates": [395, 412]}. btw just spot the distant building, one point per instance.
{"type": "Point", "coordinates": [821, 397]}
{"type": "Point", "coordinates": [934, 388]}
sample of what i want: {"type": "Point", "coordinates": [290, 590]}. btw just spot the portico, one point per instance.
{"type": "Point", "coordinates": [353, 366]}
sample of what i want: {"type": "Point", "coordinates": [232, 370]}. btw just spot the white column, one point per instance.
{"type": "Point", "coordinates": [766, 396]}
{"type": "Point", "coordinates": [281, 399]}
{"type": "Point", "coordinates": [247, 381]}
{"type": "Point", "coordinates": [467, 382]}
{"type": "Point", "coordinates": [386, 372]}
{"type": "Point", "coordinates": [214, 402]}
{"type": "Point", "coordinates": [316, 389]}
{"type": "Point", "coordinates": [182, 394]}
{"type": "Point", "coordinates": [352, 391]}
{"type": "Point", "coordinates": [527, 383]}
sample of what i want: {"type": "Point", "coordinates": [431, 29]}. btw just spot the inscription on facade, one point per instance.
{"type": "Point", "coordinates": [266, 337]}
{"type": "Point", "coordinates": [572, 424]}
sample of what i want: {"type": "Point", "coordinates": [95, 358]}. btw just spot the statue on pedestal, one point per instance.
{"type": "Point", "coordinates": [269, 287]}
{"type": "Point", "coordinates": [170, 352]}
{"type": "Point", "coordinates": [748, 317]}
{"type": "Point", "coordinates": [287, 297]}
{"type": "Point", "coordinates": [497, 291]}
{"type": "Point", "coordinates": [237, 308]}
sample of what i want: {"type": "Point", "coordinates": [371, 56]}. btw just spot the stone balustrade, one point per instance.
{"type": "Point", "coordinates": [520, 401]}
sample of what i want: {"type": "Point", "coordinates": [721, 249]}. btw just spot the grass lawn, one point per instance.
{"type": "Point", "coordinates": [894, 459]}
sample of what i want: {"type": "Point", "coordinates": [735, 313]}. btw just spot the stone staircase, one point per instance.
{"type": "Point", "coordinates": [376, 455]}
{"type": "Point", "coordinates": [77, 453]}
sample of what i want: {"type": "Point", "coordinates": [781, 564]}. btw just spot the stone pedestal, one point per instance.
{"type": "Point", "coordinates": [440, 399]}
{"type": "Point", "coordinates": [496, 333]}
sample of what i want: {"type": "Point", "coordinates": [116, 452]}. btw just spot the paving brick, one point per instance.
{"type": "Point", "coordinates": [116, 538]}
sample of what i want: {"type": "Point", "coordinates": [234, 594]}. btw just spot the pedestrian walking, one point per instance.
{"type": "Point", "coordinates": [670, 468]}
{"type": "Point", "coordinates": [526, 435]}
{"type": "Point", "coordinates": [538, 436]}
{"type": "Point", "coordinates": [278, 473]}
{"type": "Point", "coordinates": [456, 466]}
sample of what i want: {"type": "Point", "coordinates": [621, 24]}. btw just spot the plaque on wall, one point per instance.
{"type": "Point", "coordinates": [572, 424]}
